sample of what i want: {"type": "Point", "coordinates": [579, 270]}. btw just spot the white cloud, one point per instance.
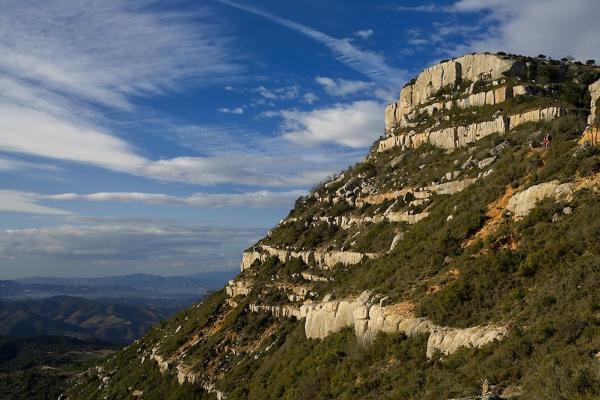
{"type": "Point", "coordinates": [261, 198]}
{"type": "Point", "coordinates": [45, 113]}
{"type": "Point", "coordinates": [22, 202]}
{"type": "Point", "coordinates": [554, 27]}
{"type": "Point", "coordinates": [364, 33]}
{"type": "Point", "coordinates": [236, 110]}
{"type": "Point", "coordinates": [368, 63]}
{"type": "Point", "coordinates": [282, 93]}
{"type": "Point", "coordinates": [342, 87]}
{"type": "Point", "coordinates": [245, 169]}
{"type": "Point", "coordinates": [234, 154]}
{"type": "Point", "coordinates": [10, 164]}
{"type": "Point", "coordinates": [29, 131]}
{"type": "Point", "coordinates": [354, 125]}
{"type": "Point", "coordinates": [310, 97]}
{"type": "Point", "coordinates": [427, 8]}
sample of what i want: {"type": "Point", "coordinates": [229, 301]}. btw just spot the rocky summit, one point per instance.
{"type": "Point", "coordinates": [458, 260]}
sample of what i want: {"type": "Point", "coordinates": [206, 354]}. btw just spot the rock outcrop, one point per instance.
{"type": "Point", "coordinates": [487, 98]}
{"type": "Point", "coordinates": [447, 138]}
{"type": "Point", "coordinates": [521, 204]}
{"type": "Point", "coordinates": [369, 315]}
{"type": "Point", "coordinates": [594, 89]}
{"type": "Point", "coordinates": [590, 136]}
{"type": "Point", "coordinates": [544, 114]}
{"type": "Point", "coordinates": [238, 287]}
{"type": "Point", "coordinates": [472, 67]}
{"type": "Point", "coordinates": [320, 258]}
{"type": "Point", "coordinates": [420, 193]}
{"type": "Point", "coordinates": [458, 136]}
{"type": "Point", "coordinates": [249, 257]}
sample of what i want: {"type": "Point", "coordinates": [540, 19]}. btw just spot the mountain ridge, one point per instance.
{"type": "Point", "coordinates": [458, 259]}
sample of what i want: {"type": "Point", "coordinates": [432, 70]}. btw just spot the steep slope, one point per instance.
{"type": "Point", "coordinates": [460, 258]}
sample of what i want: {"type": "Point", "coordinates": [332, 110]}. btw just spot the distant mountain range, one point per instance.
{"type": "Point", "coordinates": [126, 286]}
{"type": "Point", "coordinates": [115, 309]}
{"type": "Point", "coordinates": [77, 317]}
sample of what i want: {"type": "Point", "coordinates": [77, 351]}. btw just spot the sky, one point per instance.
{"type": "Point", "coordinates": [166, 137]}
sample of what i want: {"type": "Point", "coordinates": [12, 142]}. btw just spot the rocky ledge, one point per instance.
{"type": "Point", "coordinates": [369, 315]}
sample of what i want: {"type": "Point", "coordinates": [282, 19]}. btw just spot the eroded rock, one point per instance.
{"type": "Point", "coordinates": [594, 89]}
{"type": "Point", "coordinates": [522, 203]}
{"type": "Point", "coordinates": [368, 317]}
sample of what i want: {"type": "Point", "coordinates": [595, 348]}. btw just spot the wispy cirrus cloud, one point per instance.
{"type": "Point", "coordinates": [108, 51]}
{"type": "Point", "coordinates": [50, 110]}
{"type": "Point", "coordinates": [371, 64]}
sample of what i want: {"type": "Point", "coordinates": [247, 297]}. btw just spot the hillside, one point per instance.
{"type": "Point", "coordinates": [38, 367]}
{"type": "Point", "coordinates": [459, 259]}
{"type": "Point", "coordinates": [78, 318]}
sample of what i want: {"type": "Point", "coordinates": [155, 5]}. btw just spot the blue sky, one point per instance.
{"type": "Point", "coordinates": [166, 137]}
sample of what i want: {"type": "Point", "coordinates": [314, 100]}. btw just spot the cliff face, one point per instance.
{"type": "Point", "coordinates": [468, 69]}
{"type": "Point", "coordinates": [461, 250]}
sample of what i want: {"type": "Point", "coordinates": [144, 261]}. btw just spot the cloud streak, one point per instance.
{"type": "Point", "coordinates": [27, 202]}
{"type": "Point", "coordinates": [261, 198]}
{"type": "Point", "coordinates": [366, 62]}
{"type": "Point", "coordinates": [24, 202]}
{"type": "Point", "coordinates": [108, 51]}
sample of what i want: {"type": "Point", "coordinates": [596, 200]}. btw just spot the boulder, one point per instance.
{"type": "Point", "coordinates": [521, 204]}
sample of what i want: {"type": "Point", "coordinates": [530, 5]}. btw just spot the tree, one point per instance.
{"type": "Point", "coordinates": [542, 56]}
{"type": "Point", "coordinates": [590, 62]}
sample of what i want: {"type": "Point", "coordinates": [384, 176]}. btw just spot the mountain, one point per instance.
{"type": "Point", "coordinates": [458, 259]}
{"type": "Point", "coordinates": [78, 318]}
{"type": "Point", "coordinates": [135, 285]}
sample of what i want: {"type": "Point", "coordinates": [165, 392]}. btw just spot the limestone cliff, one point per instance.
{"type": "Point", "coordinates": [469, 68]}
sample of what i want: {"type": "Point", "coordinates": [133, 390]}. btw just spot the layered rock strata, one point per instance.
{"type": "Point", "coordinates": [369, 315]}
{"type": "Point", "coordinates": [419, 193]}
{"type": "Point", "coordinates": [320, 258]}
{"type": "Point", "coordinates": [594, 89]}
{"type": "Point", "coordinates": [238, 287]}
{"type": "Point", "coordinates": [455, 137]}
{"type": "Point", "coordinates": [472, 67]}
